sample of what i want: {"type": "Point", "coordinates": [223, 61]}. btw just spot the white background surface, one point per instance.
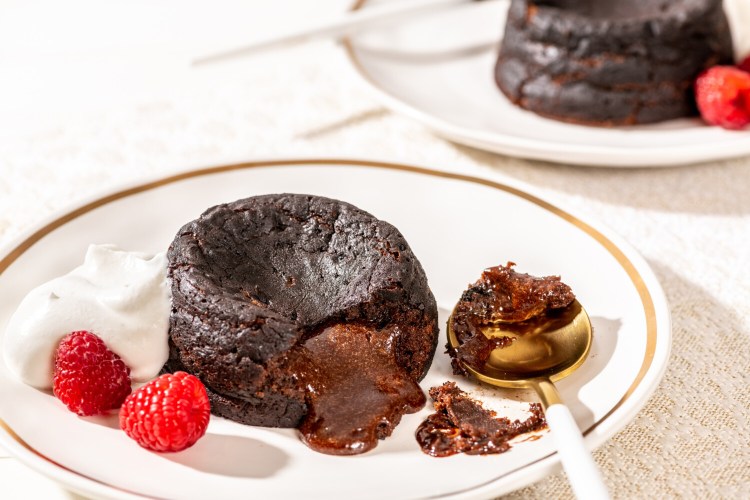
{"type": "Point", "coordinates": [94, 93]}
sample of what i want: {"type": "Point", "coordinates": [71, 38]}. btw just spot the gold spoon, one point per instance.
{"type": "Point", "coordinates": [536, 358]}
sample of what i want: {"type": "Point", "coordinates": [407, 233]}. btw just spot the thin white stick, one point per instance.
{"type": "Point", "coordinates": [583, 474]}
{"type": "Point", "coordinates": [357, 20]}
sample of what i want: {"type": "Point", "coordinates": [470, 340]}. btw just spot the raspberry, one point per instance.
{"type": "Point", "coordinates": [169, 413]}
{"type": "Point", "coordinates": [745, 64]}
{"type": "Point", "coordinates": [89, 378]}
{"type": "Point", "coordinates": [723, 96]}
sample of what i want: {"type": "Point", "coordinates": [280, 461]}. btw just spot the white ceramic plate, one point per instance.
{"type": "Point", "coordinates": [457, 226]}
{"type": "Point", "coordinates": [425, 68]}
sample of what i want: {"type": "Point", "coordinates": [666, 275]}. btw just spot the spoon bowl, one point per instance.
{"type": "Point", "coordinates": [551, 347]}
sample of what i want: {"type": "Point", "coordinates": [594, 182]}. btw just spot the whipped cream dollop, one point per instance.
{"type": "Point", "coordinates": [738, 12]}
{"type": "Point", "coordinates": [123, 297]}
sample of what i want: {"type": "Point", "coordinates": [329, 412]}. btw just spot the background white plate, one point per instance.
{"type": "Point", "coordinates": [457, 226]}
{"type": "Point", "coordinates": [416, 69]}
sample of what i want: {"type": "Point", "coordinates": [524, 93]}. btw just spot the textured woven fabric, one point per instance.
{"type": "Point", "coordinates": [691, 223]}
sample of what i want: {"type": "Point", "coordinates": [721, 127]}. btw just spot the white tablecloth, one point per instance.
{"type": "Point", "coordinates": [97, 93]}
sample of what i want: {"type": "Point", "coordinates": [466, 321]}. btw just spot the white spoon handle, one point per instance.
{"type": "Point", "coordinates": [582, 472]}
{"type": "Point", "coordinates": [334, 27]}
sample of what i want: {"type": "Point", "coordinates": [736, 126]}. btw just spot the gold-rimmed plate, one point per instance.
{"type": "Point", "coordinates": [439, 70]}
{"type": "Point", "coordinates": [456, 225]}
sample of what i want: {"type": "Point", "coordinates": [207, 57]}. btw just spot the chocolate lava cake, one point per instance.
{"type": "Point", "coordinates": [616, 62]}
{"type": "Point", "coordinates": [302, 311]}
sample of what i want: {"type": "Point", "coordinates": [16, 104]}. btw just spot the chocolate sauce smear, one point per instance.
{"type": "Point", "coordinates": [461, 425]}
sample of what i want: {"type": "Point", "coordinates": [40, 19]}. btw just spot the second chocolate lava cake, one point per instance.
{"type": "Point", "coordinates": [299, 311]}
{"type": "Point", "coordinates": [614, 62]}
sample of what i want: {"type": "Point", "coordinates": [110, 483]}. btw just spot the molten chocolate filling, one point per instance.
{"type": "Point", "coordinates": [355, 391]}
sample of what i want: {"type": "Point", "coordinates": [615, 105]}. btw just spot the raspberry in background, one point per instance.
{"type": "Point", "coordinates": [89, 378]}
{"type": "Point", "coordinates": [723, 96]}
{"type": "Point", "coordinates": [745, 64]}
{"type": "Point", "coordinates": [170, 413]}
